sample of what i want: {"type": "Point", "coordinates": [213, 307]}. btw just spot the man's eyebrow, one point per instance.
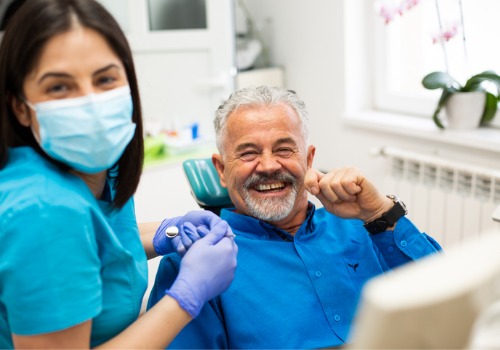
{"type": "Point", "coordinates": [285, 140]}
{"type": "Point", "coordinates": [245, 145]}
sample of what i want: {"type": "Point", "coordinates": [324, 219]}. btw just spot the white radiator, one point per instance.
{"type": "Point", "coordinates": [449, 200]}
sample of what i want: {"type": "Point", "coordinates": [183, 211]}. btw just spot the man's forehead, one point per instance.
{"type": "Point", "coordinates": [248, 116]}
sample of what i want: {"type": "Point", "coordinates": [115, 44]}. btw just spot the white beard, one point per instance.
{"type": "Point", "coordinates": [271, 209]}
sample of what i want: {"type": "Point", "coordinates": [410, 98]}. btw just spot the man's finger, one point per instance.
{"type": "Point", "coordinates": [311, 181]}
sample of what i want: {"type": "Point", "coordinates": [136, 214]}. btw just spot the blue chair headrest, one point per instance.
{"type": "Point", "coordinates": [205, 183]}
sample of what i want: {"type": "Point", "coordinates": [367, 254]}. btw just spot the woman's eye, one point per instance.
{"type": "Point", "coordinates": [57, 88]}
{"type": "Point", "coordinates": [284, 152]}
{"type": "Point", "coordinates": [106, 80]}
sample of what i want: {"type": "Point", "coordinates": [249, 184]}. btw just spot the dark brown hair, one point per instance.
{"type": "Point", "coordinates": [26, 34]}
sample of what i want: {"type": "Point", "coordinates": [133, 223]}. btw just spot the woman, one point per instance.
{"type": "Point", "coordinates": [72, 267]}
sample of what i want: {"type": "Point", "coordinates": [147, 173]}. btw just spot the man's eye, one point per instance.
{"type": "Point", "coordinates": [248, 156]}
{"type": "Point", "coordinates": [284, 152]}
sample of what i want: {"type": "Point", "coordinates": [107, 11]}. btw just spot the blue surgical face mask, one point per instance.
{"type": "Point", "coordinates": [88, 133]}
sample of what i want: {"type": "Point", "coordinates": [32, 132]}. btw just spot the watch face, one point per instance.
{"type": "Point", "coordinates": [403, 205]}
{"type": "Point", "coordinates": [389, 218]}
{"type": "Point", "coordinates": [397, 211]}
{"type": "Point", "coordinates": [395, 199]}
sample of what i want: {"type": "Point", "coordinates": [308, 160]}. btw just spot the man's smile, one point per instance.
{"type": "Point", "coordinates": [270, 187]}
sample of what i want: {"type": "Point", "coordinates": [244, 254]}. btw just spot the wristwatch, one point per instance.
{"type": "Point", "coordinates": [389, 218]}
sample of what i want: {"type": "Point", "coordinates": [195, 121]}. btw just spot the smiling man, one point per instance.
{"type": "Point", "coordinates": [300, 269]}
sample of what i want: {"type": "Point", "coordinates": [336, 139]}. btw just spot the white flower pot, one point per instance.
{"type": "Point", "coordinates": [464, 110]}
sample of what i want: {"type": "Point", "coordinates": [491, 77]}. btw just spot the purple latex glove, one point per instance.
{"type": "Point", "coordinates": [190, 234]}
{"type": "Point", "coordinates": [206, 270]}
{"type": "Point", "coordinates": [198, 218]}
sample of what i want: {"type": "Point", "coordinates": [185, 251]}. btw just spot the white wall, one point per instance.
{"type": "Point", "coordinates": [308, 41]}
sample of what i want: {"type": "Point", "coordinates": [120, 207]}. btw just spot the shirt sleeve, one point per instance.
{"type": "Point", "coordinates": [406, 243]}
{"type": "Point", "coordinates": [50, 273]}
{"type": "Point", "coordinates": [207, 330]}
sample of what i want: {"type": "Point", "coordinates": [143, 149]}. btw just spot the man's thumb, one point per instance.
{"type": "Point", "coordinates": [311, 181]}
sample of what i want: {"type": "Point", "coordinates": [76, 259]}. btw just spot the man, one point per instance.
{"type": "Point", "coordinates": [300, 269]}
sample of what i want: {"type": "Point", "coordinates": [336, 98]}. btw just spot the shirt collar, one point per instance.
{"type": "Point", "coordinates": [251, 227]}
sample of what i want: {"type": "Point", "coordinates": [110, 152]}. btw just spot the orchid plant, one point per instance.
{"type": "Point", "coordinates": [444, 81]}
{"type": "Point", "coordinates": [487, 82]}
{"type": "Point", "coordinates": [389, 10]}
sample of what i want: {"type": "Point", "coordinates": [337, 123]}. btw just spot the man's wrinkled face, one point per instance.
{"type": "Point", "coordinates": [264, 160]}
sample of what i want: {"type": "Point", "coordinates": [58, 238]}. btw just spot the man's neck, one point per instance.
{"type": "Point", "coordinates": [292, 222]}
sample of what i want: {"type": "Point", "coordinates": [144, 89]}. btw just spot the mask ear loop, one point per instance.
{"type": "Point", "coordinates": [33, 108]}
{"type": "Point", "coordinates": [38, 139]}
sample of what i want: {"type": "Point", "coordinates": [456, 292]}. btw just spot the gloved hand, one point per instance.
{"type": "Point", "coordinates": [206, 270]}
{"type": "Point", "coordinates": [198, 218]}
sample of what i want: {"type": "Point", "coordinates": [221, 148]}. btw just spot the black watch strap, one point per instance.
{"type": "Point", "coordinates": [389, 218]}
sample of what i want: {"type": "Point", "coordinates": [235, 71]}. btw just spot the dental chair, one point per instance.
{"type": "Point", "coordinates": [205, 185]}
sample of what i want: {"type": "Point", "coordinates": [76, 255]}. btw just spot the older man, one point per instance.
{"type": "Point", "coordinates": [300, 269]}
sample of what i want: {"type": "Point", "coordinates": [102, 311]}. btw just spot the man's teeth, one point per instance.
{"type": "Point", "coordinates": [268, 187]}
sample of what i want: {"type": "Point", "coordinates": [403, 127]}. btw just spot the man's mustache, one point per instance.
{"type": "Point", "coordinates": [277, 177]}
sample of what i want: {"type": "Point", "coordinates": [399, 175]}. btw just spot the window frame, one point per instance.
{"type": "Point", "coordinates": [407, 116]}
{"type": "Point", "coordinates": [383, 99]}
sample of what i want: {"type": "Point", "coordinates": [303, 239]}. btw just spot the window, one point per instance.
{"type": "Point", "coordinates": [177, 14]}
{"type": "Point", "coordinates": [406, 52]}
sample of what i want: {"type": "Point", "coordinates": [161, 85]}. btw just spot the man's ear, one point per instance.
{"type": "Point", "coordinates": [219, 166]}
{"type": "Point", "coordinates": [310, 156]}
{"type": "Point", "coordinates": [21, 111]}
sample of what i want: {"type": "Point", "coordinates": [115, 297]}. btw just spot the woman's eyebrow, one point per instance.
{"type": "Point", "coordinates": [67, 75]}
{"type": "Point", "coordinates": [109, 66]}
{"type": "Point", "coordinates": [54, 75]}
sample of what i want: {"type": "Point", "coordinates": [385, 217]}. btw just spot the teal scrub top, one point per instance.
{"type": "Point", "coordinates": [65, 256]}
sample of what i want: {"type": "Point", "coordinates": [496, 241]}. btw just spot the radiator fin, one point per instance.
{"type": "Point", "coordinates": [452, 201]}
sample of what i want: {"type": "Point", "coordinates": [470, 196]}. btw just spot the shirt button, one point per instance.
{"type": "Point", "coordinates": [403, 244]}
{"type": "Point", "coordinates": [390, 249]}
{"type": "Point", "coordinates": [318, 273]}
{"type": "Point", "coordinates": [263, 237]}
{"type": "Point", "coordinates": [336, 318]}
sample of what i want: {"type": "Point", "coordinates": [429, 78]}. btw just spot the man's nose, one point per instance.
{"type": "Point", "coordinates": [268, 163]}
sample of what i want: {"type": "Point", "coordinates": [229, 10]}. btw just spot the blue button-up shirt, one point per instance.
{"type": "Point", "coordinates": [295, 291]}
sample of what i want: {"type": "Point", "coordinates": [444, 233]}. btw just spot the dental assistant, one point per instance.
{"type": "Point", "coordinates": [73, 269]}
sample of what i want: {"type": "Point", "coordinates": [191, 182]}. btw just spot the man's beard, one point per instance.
{"type": "Point", "coordinates": [270, 209]}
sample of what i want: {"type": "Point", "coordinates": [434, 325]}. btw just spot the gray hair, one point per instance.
{"type": "Point", "coordinates": [258, 96]}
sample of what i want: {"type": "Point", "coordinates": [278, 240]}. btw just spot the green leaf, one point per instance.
{"type": "Point", "coordinates": [477, 80]}
{"type": "Point", "coordinates": [490, 108]}
{"type": "Point", "coordinates": [439, 80]}
{"type": "Point", "coordinates": [435, 118]}
{"type": "Point", "coordinates": [442, 100]}
{"type": "Point", "coordinates": [442, 80]}
{"type": "Point", "coordinates": [474, 85]}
